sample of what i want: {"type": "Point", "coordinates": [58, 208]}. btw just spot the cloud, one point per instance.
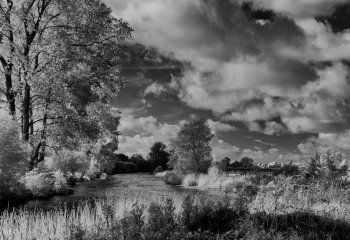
{"type": "Point", "coordinates": [299, 8]}
{"type": "Point", "coordinates": [267, 72]}
{"type": "Point", "coordinates": [327, 141]}
{"type": "Point", "coordinates": [218, 126]}
{"type": "Point", "coordinates": [273, 154]}
{"type": "Point", "coordinates": [322, 43]}
{"type": "Point", "coordinates": [137, 144]}
{"type": "Point", "coordinates": [155, 88]}
{"type": "Point", "coordinates": [139, 133]}
{"type": "Point", "coordinates": [265, 143]}
{"type": "Point", "coordinates": [222, 149]}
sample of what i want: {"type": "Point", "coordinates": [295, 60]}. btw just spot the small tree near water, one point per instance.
{"type": "Point", "coordinates": [191, 147]}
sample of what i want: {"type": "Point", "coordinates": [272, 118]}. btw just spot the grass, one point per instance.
{"type": "Point", "coordinates": [292, 208]}
{"type": "Point", "coordinates": [214, 180]}
{"type": "Point", "coordinates": [180, 217]}
{"type": "Point", "coordinates": [286, 196]}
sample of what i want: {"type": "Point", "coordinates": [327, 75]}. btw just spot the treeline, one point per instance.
{"type": "Point", "coordinates": [156, 161]}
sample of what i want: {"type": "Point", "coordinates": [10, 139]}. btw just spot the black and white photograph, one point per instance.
{"type": "Point", "coordinates": [174, 119]}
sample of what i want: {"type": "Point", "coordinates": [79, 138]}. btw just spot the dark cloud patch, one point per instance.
{"type": "Point", "coordinates": [226, 22]}
{"type": "Point", "coordinates": [339, 19]}
{"type": "Point", "coordinates": [257, 14]}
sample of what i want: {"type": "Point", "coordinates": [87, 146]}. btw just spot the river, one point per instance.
{"type": "Point", "coordinates": [126, 186]}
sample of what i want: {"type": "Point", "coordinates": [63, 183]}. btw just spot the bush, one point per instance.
{"type": "Point", "coordinates": [288, 170]}
{"type": "Point", "coordinates": [190, 180]}
{"type": "Point", "coordinates": [13, 158]}
{"type": "Point", "coordinates": [45, 184]}
{"type": "Point", "coordinates": [158, 170]}
{"type": "Point", "coordinates": [171, 178]}
{"type": "Point", "coordinates": [125, 167]}
{"type": "Point", "coordinates": [69, 161]}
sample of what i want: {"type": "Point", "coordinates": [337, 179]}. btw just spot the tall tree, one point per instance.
{"type": "Point", "coordinates": [192, 151]}
{"type": "Point", "coordinates": [159, 156]}
{"type": "Point", "coordinates": [60, 71]}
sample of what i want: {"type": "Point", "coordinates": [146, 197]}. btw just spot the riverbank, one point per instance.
{"type": "Point", "coordinates": [286, 208]}
{"type": "Point", "coordinates": [127, 186]}
{"type": "Point", "coordinates": [44, 187]}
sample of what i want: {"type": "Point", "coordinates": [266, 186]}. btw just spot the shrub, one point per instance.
{"type": "Point", "coordinates": [172, 179]}
{"type": "Point", "coordinates": [289, 170]}
{"type": "Point", "coordinates": [13, 158]}
{"type": "Point", "coordinates": [40, 184]}
{"type": "Point", "coordinates": [45, 184]}
{"type": "Point", "coordinates": [190, 180]}
{"type": "Point", "coordinates": [125, 167]}
{"type": "Point", "coordinates": [158, 169]}
{"type": "Point", "coordinates": [69, 161]}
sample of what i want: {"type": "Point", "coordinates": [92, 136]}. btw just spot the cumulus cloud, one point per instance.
{"type": "Point", "coordinates": [299, 8]}
{"type": "Point", "coordinates": [139, 133]}
{"type": "Point", "coordinates": [136, 144]}
{"type": "Point", "coordinates": [222, 149]}
{"type": "Point", "coordinates": [327, 141]}
{"type": "Point", "coordinates": [155, 88]}
{"type": "Point", "coordinates": [218, 126]}
{"type": "Point", "coordinates": [280, 75]}
{"type": "Point", "coordinates": [246, 71]}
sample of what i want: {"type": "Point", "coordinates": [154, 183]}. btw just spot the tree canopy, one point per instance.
{"type": "Point", "coordinates": [192, 151]}
{"type": "Point", "coordinates": [159, 156]}
{"type": "Point", "coordinates": [60, 71]}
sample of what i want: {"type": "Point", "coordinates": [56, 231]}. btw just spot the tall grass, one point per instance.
{"type": "Point", "coordinates": [184, 217]}
{"type": "Point", "coordinates": [92, 216]}
{"type": "Point", "coordinates": [214, 179]}
{"type": "Point", "coordinates": [286, 196]}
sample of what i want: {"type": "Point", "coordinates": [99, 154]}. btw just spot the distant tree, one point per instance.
{"type": "Point", "coordinates": [236, 164]}
{"type": "Point", "coordinates": [159, 156]}
{"type": "Point", "coordinates": [125, 167]}
{"type": "Point", "coordinates": [224, 164]}
{"type": "Point", "coordinates": [247, 162]}
{"type": "Point", "coordinates": [314, 165]}
{"type": "Point", "coordinates": [288, 170]}
{"type": "Point", "coordinates": [140, 162]}
{"type": "Point", "coordinates": [192, 151]}
{"type": "Point", "coordinates": [122, 157]}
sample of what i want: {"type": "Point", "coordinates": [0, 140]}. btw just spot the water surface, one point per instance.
{"type": "Point", "coordinates": [125, 186]}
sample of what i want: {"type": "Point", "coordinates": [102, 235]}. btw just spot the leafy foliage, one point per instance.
{"type": "Point", "coordinates": [60, 61]}
{"type": "Point", "coordinates": [159, 156]}
{"type": "Point", "coordinates": [192, 151]}
{"type": "Point", "coordinates": [13, 157]}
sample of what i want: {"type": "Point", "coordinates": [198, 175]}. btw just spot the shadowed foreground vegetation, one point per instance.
{"type": "Point", "coordinates": [189, 217]}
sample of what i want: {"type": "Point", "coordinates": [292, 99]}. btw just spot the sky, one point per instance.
{"type": "Point", "coordinates": [271, 76]}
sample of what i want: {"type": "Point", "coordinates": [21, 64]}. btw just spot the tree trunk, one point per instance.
{"type": "Point", "coordinates": [43, 134]}
{"type": "Point", "coordinates": [33, 162]}
{"type": "Point", "coordinates": [26, 112]}
{"type": "Point", "coordinates": [31, 123]}
{"type": "Point", "coordinates": [10, 95]}
{"type": "Point", "coordinates": [40, 151]}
